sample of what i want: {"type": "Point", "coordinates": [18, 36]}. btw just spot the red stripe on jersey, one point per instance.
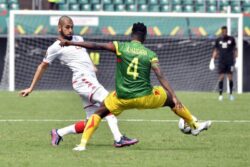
{"type": "Point", "coordinates": [87, 82]}
{"type": "Point", "coordinates": [118, 60]}
{"type": "Point", "coordinates": [90, 84]}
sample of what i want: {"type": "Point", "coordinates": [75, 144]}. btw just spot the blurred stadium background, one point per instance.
{"type": "Point", "coordinates": [211, 6]}
{"type": "Point", "coordinates": [183, 44]}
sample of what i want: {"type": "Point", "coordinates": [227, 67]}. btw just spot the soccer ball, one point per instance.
{"type": "Point", "coordinates": [184, 127]}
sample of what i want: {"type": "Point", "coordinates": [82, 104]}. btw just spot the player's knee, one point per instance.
{"type": "Point", "coordinates": [111, 117]}
{"type": "Point", "coordinates": [169, 102]}
{"type": "Point", "coordinates": [102, 111]}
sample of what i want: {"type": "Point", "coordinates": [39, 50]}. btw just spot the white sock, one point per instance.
{"type": "Point", "coordinates": [67, 130]}
{"type": "Point", "coordinates": [112, 122]}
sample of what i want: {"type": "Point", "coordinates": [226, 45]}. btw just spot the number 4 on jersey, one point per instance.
{"type": "Point", "coordinates": [132, 68]}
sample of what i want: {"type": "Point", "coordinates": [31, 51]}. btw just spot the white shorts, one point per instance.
{"type": "Point", "coordinates": [91, 92]}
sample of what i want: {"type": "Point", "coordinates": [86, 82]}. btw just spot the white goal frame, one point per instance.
{"type": "Point", "coordinates": [11, 34]}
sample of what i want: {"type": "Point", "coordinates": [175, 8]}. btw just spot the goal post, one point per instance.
{"type": "Point", "coordinates": [14, 13]}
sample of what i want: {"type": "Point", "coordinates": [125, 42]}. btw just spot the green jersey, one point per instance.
{"type": "Point", "coordinates": [133, 69]}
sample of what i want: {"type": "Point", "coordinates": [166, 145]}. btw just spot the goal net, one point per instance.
{"type": "Point", "coordinates": [183, 43]}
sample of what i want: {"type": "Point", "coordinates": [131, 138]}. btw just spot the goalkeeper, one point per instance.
{"type": "Point", "coordinates": [225, 50]}
{"type": "Point", "coordinates": [133, 87]}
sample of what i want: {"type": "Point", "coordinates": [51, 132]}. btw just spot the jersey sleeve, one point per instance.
{"type": "Point", "coordinates": [153, 58]}
{"type": "Point", "coordinates": [118, 53]}
{"type": "Point", "coordinates": [79, 39]}
{"type": "Point", "coordinates": [52, 53]}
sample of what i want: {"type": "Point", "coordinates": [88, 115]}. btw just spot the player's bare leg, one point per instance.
{"type": "Point", "coordinates": [93, 124]}
{"type": "Point", "coordinates": [184, 113]}
{"type": "Point", "coordinates": [110, 118]}
{"type": "Point", "coordinates": [78, 127]}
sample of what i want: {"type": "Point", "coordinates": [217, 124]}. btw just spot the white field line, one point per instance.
{"type": "Point", "coordinates": [121, 120]}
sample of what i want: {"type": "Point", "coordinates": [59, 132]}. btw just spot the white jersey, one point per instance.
{"type": "Point", "coordinates": [84, 79]}
{"type": "Point", "coordinates": [76, 58]}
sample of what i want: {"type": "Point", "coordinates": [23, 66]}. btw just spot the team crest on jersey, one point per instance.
{"type": "Point", "coordinates": [224, 44]}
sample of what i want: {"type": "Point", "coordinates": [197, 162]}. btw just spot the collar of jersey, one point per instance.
{"type": "Point", "coordinates": [135, 41]}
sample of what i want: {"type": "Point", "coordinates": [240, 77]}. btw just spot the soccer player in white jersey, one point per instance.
{"type": "Point", "coordinates": [84, 82]}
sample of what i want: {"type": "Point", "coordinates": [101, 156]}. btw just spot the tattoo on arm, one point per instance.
{"type": "Point", "coordinates": [162, 79]}
{"type": "Point", "coordinates": [95, 46]}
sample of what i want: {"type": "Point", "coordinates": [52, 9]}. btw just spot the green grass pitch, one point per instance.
{"type": "Point", "coordinates": [25, 124]}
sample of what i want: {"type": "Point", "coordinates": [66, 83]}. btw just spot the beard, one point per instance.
{"type": "Point", "coordinates": [69, 38]}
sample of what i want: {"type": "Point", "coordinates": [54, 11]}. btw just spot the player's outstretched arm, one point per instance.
{"type": "Point", "coordinates": [90, 45]}
{"type": "Point", "coordinates": [164, 82]}
{"type": "Point", "coordinates": [215, 54]}
{"type": "Point", "coordinates": [39, 72]}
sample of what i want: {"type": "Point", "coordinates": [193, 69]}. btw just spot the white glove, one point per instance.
{"type": "Point", "coordinates": [236, 65]}
{"type": "Point", "coordinates": [212, 65]}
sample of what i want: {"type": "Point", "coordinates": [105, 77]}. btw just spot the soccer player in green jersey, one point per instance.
{"type": "Point", "coordinates": [133, 87]}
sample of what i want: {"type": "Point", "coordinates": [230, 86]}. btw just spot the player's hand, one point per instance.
{"type": "Point", "coordinates": [177, 102]}
{"type": "Point", "coordinates": [64, 43]}
{"type": "Point", "coordinates": [212, 65]}
{"type": "Point", "coordinates": [25, 92]}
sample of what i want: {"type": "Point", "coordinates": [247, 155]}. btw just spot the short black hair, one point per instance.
{"type": "Point", "coordinates": [224, 27]}
{"type": "Point", "coordinates": [139, 30]}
